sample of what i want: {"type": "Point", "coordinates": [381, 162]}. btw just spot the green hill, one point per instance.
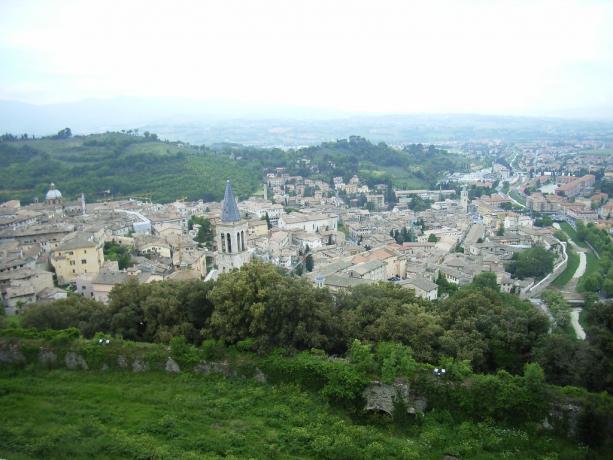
{"type": "Point", "coordinates": [123, 164]}
{"type": "Point", "coordinates": [128, 165]}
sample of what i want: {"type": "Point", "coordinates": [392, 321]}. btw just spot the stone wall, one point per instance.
{"type": "Point", "coordinates": [543, 284]}
{"type": "Point", "coordinates": [387, 398]}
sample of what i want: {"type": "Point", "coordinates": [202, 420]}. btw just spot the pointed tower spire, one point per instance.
{"type": "Point", "coordinates": [229, 208]}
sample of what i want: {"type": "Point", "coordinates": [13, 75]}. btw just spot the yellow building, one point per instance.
{"type": "Point", "coordinates": [257, 228]}
{"type": "Point", "coordinates": [79, 253]}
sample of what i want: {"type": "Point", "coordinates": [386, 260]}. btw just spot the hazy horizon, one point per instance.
{"type": "Point", "coordinates": [520, 58]}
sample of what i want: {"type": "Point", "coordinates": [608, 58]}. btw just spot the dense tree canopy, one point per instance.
{"type": "Point", "coordinates": [478, 323]}
{"type": "Point", "coordinates": [534, 262]}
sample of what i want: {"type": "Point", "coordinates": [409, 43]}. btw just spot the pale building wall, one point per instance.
{"type": "Point", "coordinates": [74, 262]}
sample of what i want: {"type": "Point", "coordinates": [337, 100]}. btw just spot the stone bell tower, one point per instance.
{"type": "Point", "coordinates": [464, 199]}
{"type": "Point", "coordinates": [231, 235]}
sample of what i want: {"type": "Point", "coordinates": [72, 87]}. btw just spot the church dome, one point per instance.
{"type": "Point", "coordinates": [53, 193]}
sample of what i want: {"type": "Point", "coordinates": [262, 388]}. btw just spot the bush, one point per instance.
{"type": "Point", "coordinates": [56, 336]}
{"type": "Point", "coordinates": [183, 353]}
{"type": "Point", "coordinates": [336, 379]}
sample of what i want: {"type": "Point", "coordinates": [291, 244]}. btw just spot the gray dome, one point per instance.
{"type": "Point", "coordinates": [53, 193]}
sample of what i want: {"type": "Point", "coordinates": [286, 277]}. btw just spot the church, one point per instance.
{"type": "Point", "coordinates": [231, 235]}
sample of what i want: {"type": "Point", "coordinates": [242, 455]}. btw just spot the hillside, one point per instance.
{"type": "Point", "coordinates": [124, 164]}
{"type": "Point", "coordinates": [64, 414]}
{"type": "Point", "coordinates": [134, 378]}
{"type": "Point", "coordinates": [129, 165]}
{"type": "Point", "coordinates": [415, 166]}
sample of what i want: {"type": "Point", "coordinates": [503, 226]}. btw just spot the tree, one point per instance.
{"type": "Point", "coordinates": [65, 133]}
{"type": "Point", "coordinates": [308, 263]}
{"type": "Point", "coordinates": [157, 312]}
{"type": "Point", "coordinates": [390, 195]}
{"type": "Point", "coordinates": [387, 312]}
{"type": "Point", "coordinates": [590, 283]}
{"type": "Point", "coordinates": [119, 253]}
{"type": "Point", "coordinates": [205, 230]}
{"type": "Point", "coordinates": [543, 221]}
{"type": "Point", "coordinates": [500, 231]}
{"type": "Point", "coordinates": [533, 262]}
{"type": "Point", "coordinates": [432, 238]}
{"type": "Point", "coordinates": [89, 316]}
{"type": "Point", "coordinates": [492, 329]}
{"type": "Point", "coordinates": [486, 280]}
{"type": "Point", "coordinates": [259, 301]}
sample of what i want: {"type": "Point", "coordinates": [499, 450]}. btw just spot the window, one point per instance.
{"type": "Point", "coordinates": [83, 261]}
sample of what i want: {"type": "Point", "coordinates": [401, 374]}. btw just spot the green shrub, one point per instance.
{"type": "Point", "coordinates": [183, 353]}
{"type": "Point", "coordinates": [213, 349]}
{"type": "Point", "coordinates": [249, 344]}
{"type": "Point", "coordinates": [59, 336]}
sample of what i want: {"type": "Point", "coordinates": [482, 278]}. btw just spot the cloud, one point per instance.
{"type": "Point", "coordinates": [367, 56]}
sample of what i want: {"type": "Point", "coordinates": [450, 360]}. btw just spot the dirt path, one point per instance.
{"type": "Point", "coordinates": [582, 266]}
{"type": "Point", "coordinates": [574, 321]}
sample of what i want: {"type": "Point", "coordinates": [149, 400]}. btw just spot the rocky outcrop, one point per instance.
{"type": "Point", "coordinates": [75, 361]}
{"type": "Point", "coordinates": [139, 365]}
{"type": "Point", "coordinates": [224, 368]}
{"type": "Point", "coordinates": [172, 366]}
{"type": "Point", "coordinates": [259, 376]}
{"type": "Point", "coordinates": [122, 362]}
{"type": "Point", "coordinates": [11, 354]}
{"type": "Point", "coordinates": [563, 418]}
{"type": "Point", "coordinates": [384, 397]}
{"type": "Point", "coordinates": [47, 358]}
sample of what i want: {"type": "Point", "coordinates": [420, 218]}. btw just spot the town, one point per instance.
{"type": "Point", "coordinates": [338, 234]}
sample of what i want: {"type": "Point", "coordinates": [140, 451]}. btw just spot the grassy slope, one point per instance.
{"type": "Point", "coordinates": [64, 414]}
{"type": "Point", "coordinates": [567, 274]}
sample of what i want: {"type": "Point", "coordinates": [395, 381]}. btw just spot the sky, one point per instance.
{"type": "Point", "coordinates": [380, 56]}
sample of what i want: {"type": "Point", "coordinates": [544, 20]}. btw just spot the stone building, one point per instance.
{"type": "Point", "coordinates": [232, 235]}
{"type": "Point", "coordinates": [77, 254]}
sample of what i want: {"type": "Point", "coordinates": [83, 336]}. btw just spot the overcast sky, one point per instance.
{"type": "Point", "coordinates": [514, 57]}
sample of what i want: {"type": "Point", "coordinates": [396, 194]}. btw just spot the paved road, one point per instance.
{"type": "Point", "coordinates": [574, 320]}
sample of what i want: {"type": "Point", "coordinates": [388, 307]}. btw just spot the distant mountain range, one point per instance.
{"type": "Point", "coordinates": [214, 121]}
